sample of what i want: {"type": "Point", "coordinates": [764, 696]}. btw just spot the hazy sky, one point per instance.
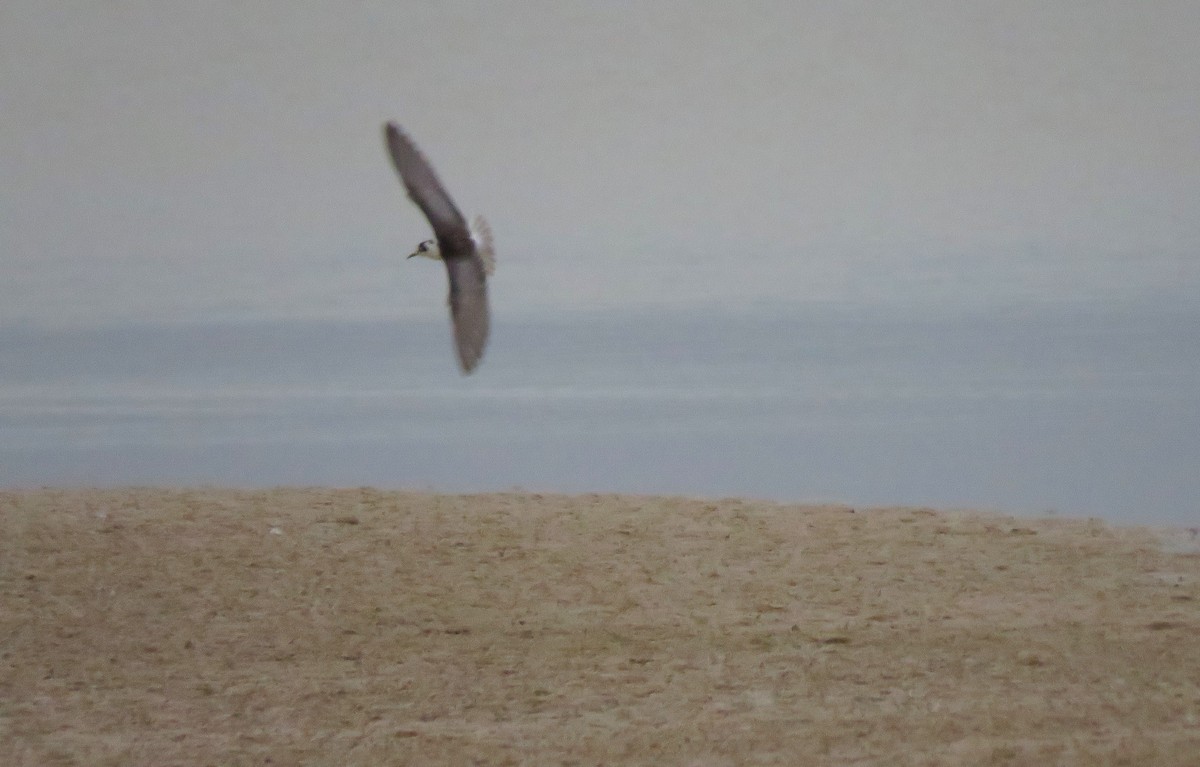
{"type": "Point", "coordinates": [170, 160]}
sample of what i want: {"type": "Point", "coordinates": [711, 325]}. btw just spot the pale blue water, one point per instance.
{"type": "Point", "coordinates": [1080, 410]}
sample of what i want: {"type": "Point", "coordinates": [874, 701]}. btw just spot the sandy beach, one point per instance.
{"type": "Point", "coordinates": [363, 627]}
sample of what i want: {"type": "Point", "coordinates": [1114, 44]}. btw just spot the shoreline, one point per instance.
{"type": "Point", "coordinates": [153, 625]}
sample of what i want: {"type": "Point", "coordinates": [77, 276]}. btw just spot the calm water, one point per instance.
{"type": "Point", "coordinates": [1080, 410]}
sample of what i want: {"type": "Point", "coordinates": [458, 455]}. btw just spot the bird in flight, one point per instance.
{"type": "Point", "coordinates": [468, 254]}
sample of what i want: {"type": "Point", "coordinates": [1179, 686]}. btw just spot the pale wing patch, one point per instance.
{"type": "Point", "coordinates": [468, 310]}
{"type": "Point", "coordinates": [481, 233]}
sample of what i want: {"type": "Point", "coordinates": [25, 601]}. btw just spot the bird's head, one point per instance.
{"type": "Point", "coordinates": [428, 249]}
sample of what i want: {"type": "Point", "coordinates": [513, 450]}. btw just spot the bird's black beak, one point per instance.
{"type": "Point", "coordinates": [410, 255]}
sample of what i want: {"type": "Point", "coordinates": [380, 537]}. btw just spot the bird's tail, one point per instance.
{"type": "Point", "coordinates": [481, 233]}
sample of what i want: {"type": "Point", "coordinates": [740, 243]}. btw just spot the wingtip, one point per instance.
{"type": "Point", "coordinates": [467, 366]}
{"type": "Point", "coordinates": [471, 345]}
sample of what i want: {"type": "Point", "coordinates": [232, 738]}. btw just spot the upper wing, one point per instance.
{"type": "Point", "coordinates": [468, 309]}
{"type": "Point", "coordinates": [426, 191]}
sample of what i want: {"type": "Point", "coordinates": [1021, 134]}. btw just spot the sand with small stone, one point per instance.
{"type": "Point", "coordinates": [363, 627]}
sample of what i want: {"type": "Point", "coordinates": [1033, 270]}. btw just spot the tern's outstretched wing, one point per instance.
{"type": "Point", "coordinates": [449, 226]}
{"type": "Point", "coordinates": [468, 309]}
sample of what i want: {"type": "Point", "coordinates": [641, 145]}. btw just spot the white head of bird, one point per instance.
{"type": "Point", "coordinates": [428, 249]}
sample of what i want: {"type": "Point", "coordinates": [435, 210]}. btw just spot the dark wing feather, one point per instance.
{"type": "Point", "coordinates": [424, 189]}
{"type": "Point", "coordinates": [468, 309]}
